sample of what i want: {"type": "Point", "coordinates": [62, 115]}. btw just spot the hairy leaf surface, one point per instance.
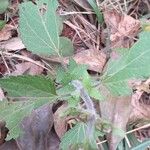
{"type": "Point", "coordinates": [40, 29]}
{"type": "Point", "coordinates": [13, 113]}
{"type": "Point", "coordinates": [77, 72]}
{"type": "Point", "coordinates": [134, 64]}
{"type": "Point", "coordinates": [29, 87]}
{"type": "Point", "coordinates": [76, 137]}
{"type": "Point", "coordinates": [3, 5]}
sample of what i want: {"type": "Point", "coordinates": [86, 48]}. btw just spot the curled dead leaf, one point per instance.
{"type": "Point", "coordinates": [117, 111]}
{"type": "Point", "coordinates": [28, 68]}
{"type": "Point", "coordinates": [123, 28]}
{"type": "Point", "coordinates": [94, 59]}
{"type": "Point", "coordinates": [141, 102]}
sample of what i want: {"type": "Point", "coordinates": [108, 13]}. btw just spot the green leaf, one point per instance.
{"type": "Point", "coordinates": [95, 93]}
{"type": "Point", "coordinates": [122, 51]}
{"type": "Point", "coordinates": [142, 146]}
{"type": "Point", "coordinates": [135, 64]}
{"type": "Point", "coordinates": [3, 5]}
{"type": "Point", "coordinates": [118, 132]}
{"type": "Point", "coordinates": [29, 87]}
{"type": "Point", "coordinates": [76, 137]}
{"type": "Point", "coordinates": [74, 101]}
{"type": "Point", "coordinates": [40, 29]}
{"type": "Point", "coordinates": [76, 72]}
{"type": "Point", "coordinates": [73, 72]}
{"type": "Point", "coordinates": [2, 24]}
{"type": "Point", "coordinates": [97, 11]}
{"type": "Point", "coordinates": [65, 90]}
{"type": "Point", "coordinates": [13, 113]}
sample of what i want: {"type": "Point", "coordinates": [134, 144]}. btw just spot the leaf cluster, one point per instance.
{"type": "Point", "coordinates": [40, 29]}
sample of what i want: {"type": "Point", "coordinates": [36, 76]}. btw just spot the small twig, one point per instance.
{"type": "Point", "coordinates": [131, 131]}
{"type": "Point", "coordinates": [108, 49]}
{"type": "Point", "coordinates": [25, 58]}
{"type": "Point", "coordinates": [64, 13]}
{"type": "Point", "coordinates": [128, 142]}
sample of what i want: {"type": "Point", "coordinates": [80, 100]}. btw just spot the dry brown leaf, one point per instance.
{"type": "Point", "coordinates": [94, 59]}
{"type": "Point", "coordinates": [5, 33]}
{"type": "Point", "coordinates": [12, 44]}
{"type": "Point", "coordinates": [3, 68]}
{"type": "Point", "coordinates": [117, 111]}
{"type": "Point", "coordinates": [37, 129]}
{"type": "Point", "coordinates": [3, 132]}
{"type": "Point", "coordinates": [27, 67]}
{"type": "Point", "coordinates": [60, 124]}
{"type": "Point", "coordinates": [9, 145]}
{"type": "Point", "coordinates": [37, 132]}
{"type": "Point", "coordinates": [141, 102]}
{"type": "Point", "coordinates": [123, 28]}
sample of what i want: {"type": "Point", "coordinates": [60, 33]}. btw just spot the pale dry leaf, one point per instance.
{"type": "Point", "coordinates": [27, 67]}
{"type": "Point", "coordinates": [2, 96]}
{"type": "Point", "coordinates": [12, 44]}
{"type": "Point", "coordinates": [9, 145]}
{"type": "Point", "coordinates": [141, 101]}
{"type": "Point", "coordinates": [139, 111]}
{"type": "Point", "coordinates": [26, 53]}
{"type": "Point", "coordinates": [6, 33]}
{"type": "Point", "coordinates": [117, 111]}
{"type": "Point", "coordinates": [60, 123]}
{"type": "Point", "coordinates": [123, 28]}
{"type": "Point", "coordinates": [94, 59]}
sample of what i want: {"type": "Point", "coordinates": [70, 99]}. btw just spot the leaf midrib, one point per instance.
{"type": "Point", "coordinates": [113, 74]}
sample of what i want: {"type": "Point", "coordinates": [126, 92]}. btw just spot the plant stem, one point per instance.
{"type": "Point", "coordinates": [89, 105]}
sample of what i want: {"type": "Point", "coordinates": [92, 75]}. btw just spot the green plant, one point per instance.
{"type": "Point", "coordinates": [3, 6]}
{"type": "Point", "coordinates": [40, 29]}
{"type": "Point", "coordinates": [97, 11]}
{"type": "Point", "coordinates": [45, 31]}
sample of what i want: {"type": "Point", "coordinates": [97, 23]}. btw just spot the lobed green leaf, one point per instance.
{"type": "Point", "coordinates": [40, 29]}
{"type": "Point", "coordinates": [13, 113]}
{"type": "Point", "coordinates": [29, 87]}
{"type": "Point", "coordinates": [134, 64]}
{"type": "Point", "coordinates": [77, 137]}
